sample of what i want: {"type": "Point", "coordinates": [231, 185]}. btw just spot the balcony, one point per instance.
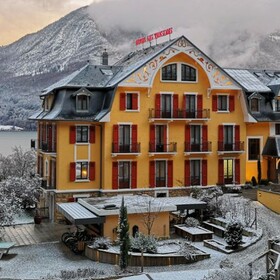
{"type": "Point", "coordinates": [129, 149]}
{"type": "Point", "coordinates": [204, 148]}
{"type": "Point", "coordinates": [170, 148]}
{"type": "Point", "coordinates": [235, 147]}
{"type": "Point", "coordinates": [179, 114]}
{"type": "Point", "coordinates": [47, 148]}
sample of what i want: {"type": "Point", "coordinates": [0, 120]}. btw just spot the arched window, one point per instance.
{"type": "Point", "coordinates": [188, 73]}
{"type": "Point", "coordinates": [135, 230]}
{"type": "Point", "coordinates": [169, 72]}
{"type": "Point", "coordinates": [255, 105]}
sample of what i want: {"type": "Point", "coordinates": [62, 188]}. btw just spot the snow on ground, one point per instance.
{"type": "Point", "coordinates": [40, 260]}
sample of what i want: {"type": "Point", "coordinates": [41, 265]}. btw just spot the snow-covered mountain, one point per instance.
{"type": "Point", "coordinates": [37, 60]}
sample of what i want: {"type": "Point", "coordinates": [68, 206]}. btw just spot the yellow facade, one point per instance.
{"type": "Point", "coordinates": [269, 199]}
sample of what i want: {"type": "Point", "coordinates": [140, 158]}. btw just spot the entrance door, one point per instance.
{"type": "Point", "coordinates": [228, 171]}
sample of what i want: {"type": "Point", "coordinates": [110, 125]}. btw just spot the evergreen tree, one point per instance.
{"type": "Point", "coordinates": [123, 236]}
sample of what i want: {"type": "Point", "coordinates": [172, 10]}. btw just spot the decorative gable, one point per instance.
{"type": "Point", "coordinates": [145, 75]}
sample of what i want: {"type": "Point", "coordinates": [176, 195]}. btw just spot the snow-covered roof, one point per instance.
{"type": "Point", "coordinates": [250, 82]}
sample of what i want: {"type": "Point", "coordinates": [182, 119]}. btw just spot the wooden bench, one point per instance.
{"type": "Point", "coordinates": [5, 247]}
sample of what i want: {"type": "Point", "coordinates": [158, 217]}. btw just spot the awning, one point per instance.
{"type": "Point", "coordinates": [77, 214]}
{"type": "Point", "coordinates": [272, 147]}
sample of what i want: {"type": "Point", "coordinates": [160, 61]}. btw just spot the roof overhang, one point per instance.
{"type": "Point", "coordinates": [77, 214]}
{"type": "Point", "coordinates": [271, 147]}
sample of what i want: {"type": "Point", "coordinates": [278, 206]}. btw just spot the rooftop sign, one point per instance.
{"type": "Point", "coordinates": [151, 37]}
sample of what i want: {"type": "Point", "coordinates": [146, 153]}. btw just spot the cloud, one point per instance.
{"type": "Point", "coordinates": [232, 26]}
{"type": "Point", "coordinates": [20, 17]}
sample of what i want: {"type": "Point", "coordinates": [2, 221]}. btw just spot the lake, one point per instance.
{"type": "Point", "coordinates": [11, 139]}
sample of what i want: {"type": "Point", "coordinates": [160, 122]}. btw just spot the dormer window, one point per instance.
{"type": "Point", "coordinates": [277, 105]}
{"type": "Point", "coordinates": [255, 105]}
{"type": "Point", "coordinates": [82, 102]}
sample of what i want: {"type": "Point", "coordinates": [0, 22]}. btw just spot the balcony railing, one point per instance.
{"type": "Point", "coordinates": [134, 148]}
{"type": "Point", "coordinates": [231, 147]}
{"type": "Point", "coordinates": [163, 148]}
{"type": "Point", "coordinates": [195, 180]}
{"type": "Point", "coordinates": [205, 147]}
{"type": "Point", "coordinates": [48, 148]}
{"type": "Point", "coordinates": [179, 114]}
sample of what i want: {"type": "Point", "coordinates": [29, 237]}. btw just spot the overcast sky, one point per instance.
{"type": "Point", "coordinates": [233, 23]}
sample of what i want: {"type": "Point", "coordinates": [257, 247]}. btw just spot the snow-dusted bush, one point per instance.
{"type": "Point", "coordinates": [233, 234]}
{"type": "Point", "coordinates": [192, 222]}
{"type": "Point", "coordinates": [102, 243]}
{"type": "Point", "coordinates": [144, 243]}
{"type": "Point", "coordinates": [229, 274]}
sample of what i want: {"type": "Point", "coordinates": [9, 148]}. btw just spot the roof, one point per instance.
{"type": "Point", "coordinates": [272, 147]}
{"type": "Point", "coordinates": [250, 82]}
{"type": "Point", "coordinates": [140, 204]}
{"type": "Point", "coordinates": [77, 214]}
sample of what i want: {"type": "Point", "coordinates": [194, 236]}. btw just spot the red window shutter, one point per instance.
{"type": "Point", "coordinates": [72, 134]}
{"type": "Point", "coordinates": [165, 138]}
{"type": "Point", "coordinates": [92, 171]}
{"type": "Point", "coordinates": [134, 175]}
{"type": "Point", "coordinates": [72, 171]}
{"type": "Point", "coordinates": [204, 138]}
{"type": "Point", "coordinates": [237, 171]}
{"type": "Point", "coordinates": [55, 137]}
{"type": "Point", "coordinates": [204, 172]}
{"type": "Point", "coordinates": [199, 106]}
{"type": "Point", "coordinates": [175, 105]}
{"type": "Point", "coordinates": [187, 138]}
{"type": "Point", "coordinates": [152, 174]}
{"type": "Point", "coordinates": [122, 101]}
{"type": "Point", "coordinates": [169, 173]}
{"type": "Point", "coordinates": [115, 176]}
{"type": "Point", "coordinates": [134, 101]}
{"type": "Point", "coordinates": [214, 103]}
{"type": "Point", "coordinates": [39, 136]}
{"type": "Point", "coordinates": [134, 138]}
{"type": "Point", "coordinates": [152, 138]}
{"type": "Point", "coordinates": [187, 173]}
{"type": "Point", "coordinates": [157, 106]}
{"type": "Point", "coordinates": [92, 134]}
{"type": "Point", "coordinates": [237, 138]}
{"type": "Point", "coordinates": [231, 103]}
{"type": "Point", "coordinates": [184, 106]}
{"type": "Point", "coordinates": [115, 138]}
{"type": "Point", "coordinates": [221, 172]}
{"type": "Point", "coordinates": [220, 138]}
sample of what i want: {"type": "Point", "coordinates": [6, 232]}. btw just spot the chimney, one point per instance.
{"type": "Point", "coordinates": [105, 58]}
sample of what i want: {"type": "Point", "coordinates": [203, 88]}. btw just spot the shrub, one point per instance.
{"type": "Point", "coordinates": [147, 244]}
{"type": "Point", "coordinates": [191, 222]}
{"type": "Point", "coordinates": [102, 243]}
{"type": "Point", "coordinates": [233, 234]}
{"type": "Point", "coordinates": [254, 181]}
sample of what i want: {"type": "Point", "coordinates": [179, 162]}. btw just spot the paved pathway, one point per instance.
{"type": "Point", "coordinates": [28, 234]}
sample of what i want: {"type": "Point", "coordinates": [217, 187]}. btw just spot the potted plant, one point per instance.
{"type": "Point", "coordinates": [37, 217]}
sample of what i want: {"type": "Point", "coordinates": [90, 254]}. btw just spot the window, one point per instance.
{"type": "Point", "coordinates": [222, 103]}
{"type": "Point", "coordinates": [169, 72]}
{"type": "Point", "coordinates": [253, 148]}
{"type": "Point", "coordinates": [82, 170]}
{"type": "Point", "coordinates": [195, 138]}
{"type": "Point", "coordinates": [195, 172]}
{"type": "Point", "coordinates": [82, 101]}
{"type": "Point", "coordinates": [166, 100]}
{"type": "Point", "coordinates": [161, 173]}
{"type": "Point", "coordinates": [277, 105]}
{"type": "Point", "coordinates": [188, 73]}
{"type": "Point", "coordinates": [82, 134]}
{"type": "Point", "coordinates": [228, 137]}
{"type": "Point", "coordinates": [255, 105]}
{"type": "Point", "coordinates": [132, 101]}
{"type": "Point", "coordinates": [277, 128]}
{"type": "Point", "coordinates": [228, 171]}
{"type": "Point", "coordinates": [124, 174]}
